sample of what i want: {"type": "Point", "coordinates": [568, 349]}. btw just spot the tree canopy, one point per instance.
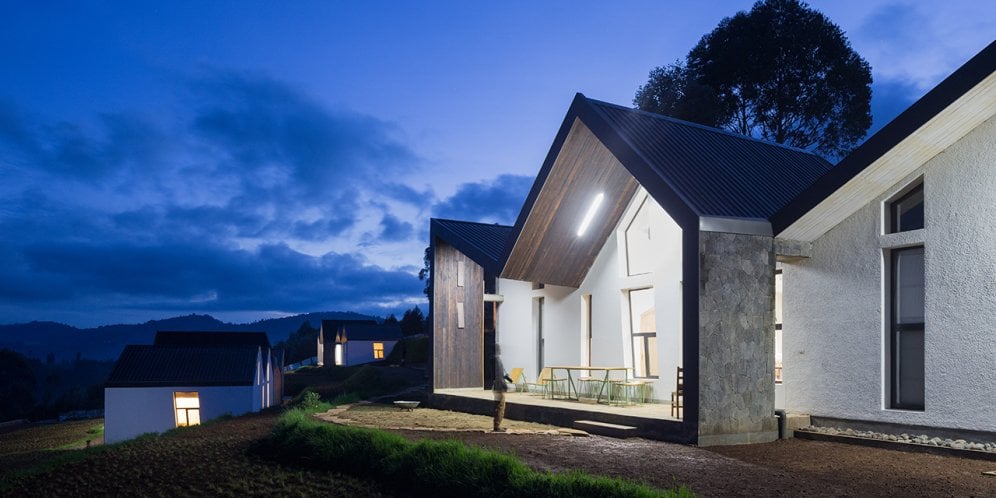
{"type": "Point", "coordinates": [781, 72]}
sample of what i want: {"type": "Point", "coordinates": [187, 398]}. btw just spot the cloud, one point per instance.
{"type": "Point", "coordinates": [490, 201]}
{"type": "Point", "coordinates": [920, 43]}
{"type": "Point", "coordinates": [206, 207]}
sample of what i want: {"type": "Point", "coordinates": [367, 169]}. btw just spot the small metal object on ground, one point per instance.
{"type": "Point", "coordinates": [406, 405]}
{"type": "Point", "coordinates": [990, 473]}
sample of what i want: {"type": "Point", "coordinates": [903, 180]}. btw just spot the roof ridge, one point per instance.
{"type": "Point", "coordinates": [472, 222]}
{"type": "Point", "coordinates": [704, 127]}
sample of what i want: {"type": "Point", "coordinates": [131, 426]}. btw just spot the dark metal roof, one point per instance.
{"type": "Point", "coordinates": [191, 338]}
{"type": "Point", "coordinates": [163, 366]}
{"type": "Point", "coordinates": [944, 94]}
{"type": "Point", "coordinates": [482, 242]}
{"type": "Point", "coordinates": [714, 172]}
{"type": "Point", "coordinates": [361, 330]}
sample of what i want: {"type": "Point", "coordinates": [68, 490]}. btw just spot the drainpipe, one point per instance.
{"type": "Point", "coordinates": [781, 423]}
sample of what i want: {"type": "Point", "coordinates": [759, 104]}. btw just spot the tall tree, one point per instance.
{"type": "Point", "coordinates": [17, 385]}
{"type": "Point", "coordinates": [781, 72]}
{"type": "Point", "coordinates": [412, 322]}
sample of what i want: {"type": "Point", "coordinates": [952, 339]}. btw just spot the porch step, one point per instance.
{"type": "Point", "coordinates": [605, 428]}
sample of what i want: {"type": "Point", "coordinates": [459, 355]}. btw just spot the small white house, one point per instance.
{"type": "Point", "coordinates": [185, 379]}
{"type": "Point", "coordinates": [354, 342]}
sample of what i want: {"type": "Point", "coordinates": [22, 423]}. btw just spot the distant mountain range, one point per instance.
{"type": "Point", "coordinates": [38, 339]}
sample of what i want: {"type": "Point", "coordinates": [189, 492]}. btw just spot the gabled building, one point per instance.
{"type": "Point", "coordinates": [652, 244]}
{"type": "Point", "coordinates": [353, 342]}
{"type": "Point", "coordinates": [185, 378]}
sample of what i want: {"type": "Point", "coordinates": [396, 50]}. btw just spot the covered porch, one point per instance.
{"type": "Point", "coordinates": [648, 420]}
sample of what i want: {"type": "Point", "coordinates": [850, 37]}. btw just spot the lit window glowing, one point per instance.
{"type": "Point", "coordinates": [338, 354]}
{"type": "Point", "coordinates": [378, 350]}
{"type": "Point", "coordinates": [590, 214]}
{"type": "Point", "coordinates": [188, 408]}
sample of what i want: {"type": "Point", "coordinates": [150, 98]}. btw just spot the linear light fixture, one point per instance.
{"type": "Point", "coordinates": [590, 214]}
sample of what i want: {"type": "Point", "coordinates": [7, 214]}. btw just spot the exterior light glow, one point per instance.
{"type": "Point", "coordinates": [590, 214]}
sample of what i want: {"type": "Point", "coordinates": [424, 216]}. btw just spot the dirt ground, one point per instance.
{"type": "Point", "coordinates": [791, 467]}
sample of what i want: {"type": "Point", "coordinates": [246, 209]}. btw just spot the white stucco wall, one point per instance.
{"type": "Point", "coordinates": [607, 284]}
{"type": "Point", "coordinates": [834, 346]}
{"type": "Point", "coordinates": [132, 411]}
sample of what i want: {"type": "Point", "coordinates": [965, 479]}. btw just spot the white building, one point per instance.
{"type": "Point", "coordinates": [354, 342]}
{"type": "Point", "coordinates": [187, 378]}
{"type": "Point", "coordinates": [653, 244]}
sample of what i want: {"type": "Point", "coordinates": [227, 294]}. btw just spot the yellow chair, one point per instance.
{"type": "Point", "coordinates": [546, 383]}
{"type": "Point", "coordinates": [518, 380]}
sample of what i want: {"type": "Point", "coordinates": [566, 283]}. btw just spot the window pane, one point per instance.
{"type": "Point", "coordinates": [907, 211]}
{"type": "Point", "coordinates": [909, 286]}
{"type": "Point", "coordinates": [186, 400]}
{"type": "Point", "coordinates": [652, 347]}
{"type": "Point", "coordinates": [639, 356]}
{"type": "Point", "coordinates": [181, 417]}
{"type": "Point", "coordinates": [778, 298]}
{"type": "Point", "coordinates": [194, 416]}
{"type": "Point", "coordinates": [639, 252]}
{"type": "Point", "coordinates": [909, 372]}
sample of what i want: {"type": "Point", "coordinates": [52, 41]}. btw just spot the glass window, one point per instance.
{"type": "Point", "coordinates": [778, 326]}
{"type": "Point", "coordinates": [378, 350]}
{"type": "Point", "coordinates": [907, 329]}
{"type": "Point", "coordinates": [639, 252]}
{"type": "Point", "coordinates": [188, 408]}
{"type": "Point", "coordinates": [906, 212]}
{"type": "Point", "coordinates": [643, 323]}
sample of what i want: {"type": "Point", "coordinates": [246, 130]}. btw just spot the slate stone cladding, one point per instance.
{"type": "Point", "coordinates": [736, 338]}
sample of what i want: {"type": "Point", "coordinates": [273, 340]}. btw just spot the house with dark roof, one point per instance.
{"type": "Point", "coordinates": [354, 342]}
{"type": "Point", "coordinates": [658, 246]}
{"type": "Point", "coordinates": [185, 378]}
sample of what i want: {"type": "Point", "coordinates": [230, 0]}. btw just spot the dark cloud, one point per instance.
{"type": "Point", "coordinates": [491, 201]}
{"type": "Point", "coordinates": [201, 277]}
{"type": "Point", "coordinates": [394, 229]}
{"type": "Point", "coordinates": [127, 211]}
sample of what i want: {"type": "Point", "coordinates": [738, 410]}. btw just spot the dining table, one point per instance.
{"type": "Point", "coordinates": [605, 380]}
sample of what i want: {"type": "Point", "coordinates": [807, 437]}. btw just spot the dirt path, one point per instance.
{"type": "Point", "coordinates": [784, 468]}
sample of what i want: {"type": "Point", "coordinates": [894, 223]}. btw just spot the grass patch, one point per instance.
{"type": "Point", "coordinates": [432, 467]}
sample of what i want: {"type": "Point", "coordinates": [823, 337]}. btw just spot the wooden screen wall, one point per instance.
{"type": "Point", "coordinates": [457, 352]}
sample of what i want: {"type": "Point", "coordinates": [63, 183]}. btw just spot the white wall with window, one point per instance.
{"type": "Point", "coordinates": [891, 317]}
{"type": "Point", "coordinates": [133, 411]}
{"type": "Point", "coordinates": [641, 260]}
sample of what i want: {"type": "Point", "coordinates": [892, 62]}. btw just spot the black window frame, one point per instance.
{"type": "Point", "coordinates": [894, 204]}
{"type": "Point", "coordinates": [896, 330]}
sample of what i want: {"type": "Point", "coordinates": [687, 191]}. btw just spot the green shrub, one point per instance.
{"type": "Point", "coordinates": [432, 467]}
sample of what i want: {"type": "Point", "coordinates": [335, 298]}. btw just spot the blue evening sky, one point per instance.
{"type": "Point", "coordinates": [251, 159]}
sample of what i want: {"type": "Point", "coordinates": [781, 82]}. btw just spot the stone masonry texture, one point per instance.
{"type": "Point", "coordinates": [736, 334]}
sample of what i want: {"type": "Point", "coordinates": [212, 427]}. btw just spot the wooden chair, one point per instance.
{"type": "Point", "coordinates": [678, 395]}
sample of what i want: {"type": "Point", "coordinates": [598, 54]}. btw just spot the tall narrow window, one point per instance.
{"type": "Point", "coordinates": [188, 408]}
{"type": "Point", "coordinates": [639, 250]}
{"type": "Point", "coordinates": [906, 211]}
{"type": "Point", "coordinates": [378, 350]}
{"type": "Point", "coordinates": [338, 354]}
{"type": "Point", "coordinates": [643, 326]}
{"type": "Point", "coordinates": [778, 326]}
{"type": "Point", "coordinates": [906, 335]}
{"type": "Point", "coordinates": [538, 324]}
{"type": "Point", "coordinates": [586, 324]}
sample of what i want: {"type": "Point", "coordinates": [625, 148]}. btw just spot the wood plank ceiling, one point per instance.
{"type": "Point", "coordinates": [548, 249]}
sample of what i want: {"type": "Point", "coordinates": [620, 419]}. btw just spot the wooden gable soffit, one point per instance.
{"type": "Point", "coordinates": [548, 248]}
{"type": "Point", "coordinates": [791, 251]}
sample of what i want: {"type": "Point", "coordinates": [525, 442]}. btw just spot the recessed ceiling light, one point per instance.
{"type": "Point", "coordinates": [590, 214]}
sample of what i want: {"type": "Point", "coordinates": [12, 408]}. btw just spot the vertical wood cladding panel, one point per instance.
{"type": "Point", "coordinates": [548, 249]}
{"type": "Point", "coordinates": [457, 352]}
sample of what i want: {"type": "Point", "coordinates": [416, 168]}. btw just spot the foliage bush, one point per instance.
{"type": "Point", "coordinates": [432, 467]}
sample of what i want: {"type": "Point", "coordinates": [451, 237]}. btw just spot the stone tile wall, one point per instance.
{"type": "Point", "coordinates": [736, 339]}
